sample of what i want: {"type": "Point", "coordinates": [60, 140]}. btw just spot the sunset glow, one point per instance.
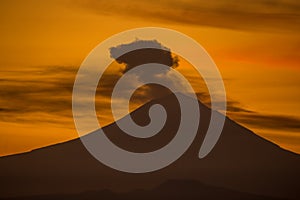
{"type": "Point", "coordinates": [43, 44]}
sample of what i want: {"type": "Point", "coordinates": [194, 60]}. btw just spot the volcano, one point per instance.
{"type": "Point", "coordinates": [242, 165]}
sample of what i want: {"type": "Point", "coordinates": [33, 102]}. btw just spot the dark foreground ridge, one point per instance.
{"type": "Point", "coordinates": [241, 166]}
{"type": "Point", "coordinates": [173, 189]}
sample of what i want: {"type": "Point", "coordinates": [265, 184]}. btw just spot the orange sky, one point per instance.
{"type": "Point", "coordinates": [255, 45]}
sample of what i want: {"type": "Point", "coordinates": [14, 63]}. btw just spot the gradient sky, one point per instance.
{"type": "Point", "coordinates": [255, 44]}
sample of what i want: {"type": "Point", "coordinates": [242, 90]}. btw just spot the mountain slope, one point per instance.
{"type": "Point", "coordinates": [241, 161]}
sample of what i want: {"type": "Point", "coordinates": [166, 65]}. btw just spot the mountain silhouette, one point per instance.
{"type": "Point", "coordinates": [242, 165]}
{"type": "Point", "coordinates": [167, 190]}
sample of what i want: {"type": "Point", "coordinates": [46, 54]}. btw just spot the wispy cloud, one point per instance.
{"type": "Point", "coordinates": [276, 15]}
{"type": "Point", "coordinates": [46, 96]}
{"type": "Point", "coordinates": [29, 94]}
{"type": "Point", "coordinates": [255, 119]}
{"type": "Point", "coordinates": [270, 121]}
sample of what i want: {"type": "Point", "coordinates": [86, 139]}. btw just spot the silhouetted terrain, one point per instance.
{"type": "Point", "coordinates": [241, 161]}
{"type": "Point", "coordinates": [169, 190]}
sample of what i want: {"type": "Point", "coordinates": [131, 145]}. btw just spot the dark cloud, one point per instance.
{"type": "Point", "coordinates": [234, 106]}
{"type": "Point", "coordinates": [273, 122]}
{"type": "Point", "coordinates": [142, 52]}
{"type": "Point", "coordinates": [270, 15]}
{"type": "Point", "coordinates": [253, 119]}
{"type": "Point", "coordinates": [261, 120]}
{"type": "Point", "coordinates": [231, 105]}
{"type": "Point", "coordinates": [27, 95]}
{"type": "Point", "coordinates": [44, 94]}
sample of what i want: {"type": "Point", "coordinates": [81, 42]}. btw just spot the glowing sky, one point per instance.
{"type": "Point", "coordinates": [255, 44]}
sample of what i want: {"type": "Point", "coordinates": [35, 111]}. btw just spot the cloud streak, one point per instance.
{"type": "Point", "coordinates": [46, 96]}
{"type": "Point", "coordinates": [275, 122]}
{"type": "Point", "coordinates": [277, 15]}
{"type": "Point", "coordinates": [43, 93]}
